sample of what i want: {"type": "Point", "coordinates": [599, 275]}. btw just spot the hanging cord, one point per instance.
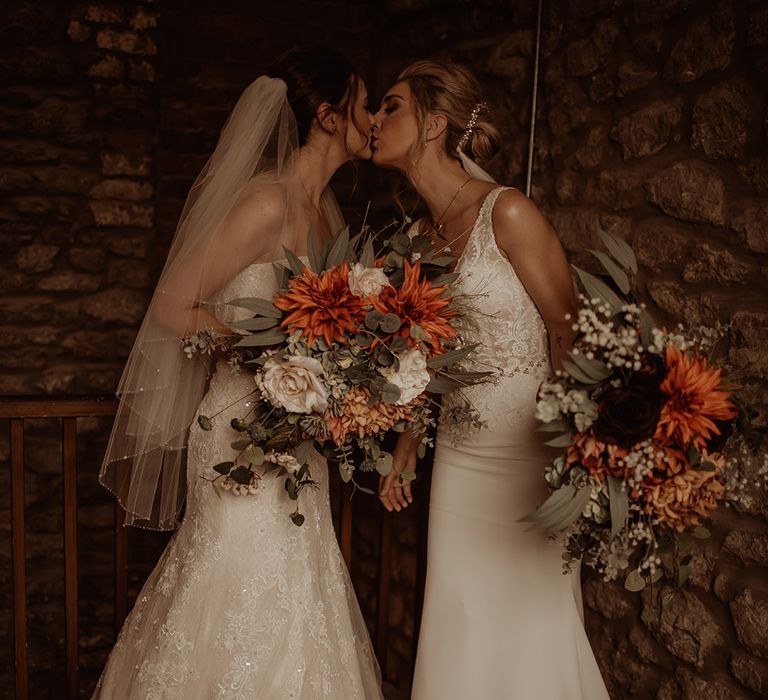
{"type": "Point", "coordinates": [534, 100]}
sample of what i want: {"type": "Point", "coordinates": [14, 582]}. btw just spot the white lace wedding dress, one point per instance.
{"type": "Point", "coordinates": [500, 620]}
{"type": "Point", "coordinates": [243, 603]}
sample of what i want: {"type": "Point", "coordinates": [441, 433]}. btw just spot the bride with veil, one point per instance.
{"type": "Point", "coordinates": [242, 604]}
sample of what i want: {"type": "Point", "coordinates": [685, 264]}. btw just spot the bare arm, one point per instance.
{"type": "Point", "coordinates": [534, 250]}
{"type": "Point", "coordinates": [247, 234]}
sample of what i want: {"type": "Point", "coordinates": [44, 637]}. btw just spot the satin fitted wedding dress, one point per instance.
{"type": "Point", "coordinates": [500, 620]}
{"type": "Point", "coordinates": [244, 604]}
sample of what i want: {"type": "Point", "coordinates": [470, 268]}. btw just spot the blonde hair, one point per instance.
{"type": "Point", "coordinates": [443, 87]}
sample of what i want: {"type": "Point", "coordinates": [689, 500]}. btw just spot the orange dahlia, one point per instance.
{"type": "Point", "coordinates": [321, 305]}
{"type": "Point", "coordinates": [418, 302]}
{"type": "Point", "coordinates": [597, 457]}
{"type": "Point", "coordinates": [696, 398]}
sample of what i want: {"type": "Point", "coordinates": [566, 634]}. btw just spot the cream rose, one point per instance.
{"type": "Point", "coordinates": [294, 384]}
{"type": "Point", "coordinates": [366, 281]}
{"type": "Point", "coordinates": [412, 377]}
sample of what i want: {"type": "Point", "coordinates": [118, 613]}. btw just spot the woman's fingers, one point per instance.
{"type": "Point", "coordinates": [394, 493]}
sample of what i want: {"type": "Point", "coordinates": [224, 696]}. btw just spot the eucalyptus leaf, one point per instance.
{"type": "Point", "coordinates": [561, 440]}
{"type": "Point", "coordinates": [373, 319]}
{"type": "Point", "coordinates": [295, 263]}
{"type": "Point", "coordinates": [577, 374]}
{"type": "Point", "coordinates": [390, 323]}
{"type": "Point", "coordinates": [241, 475]}
{"type": "Point", "coordinates": [620, 249]}
{"type": "Point", "coordinates": [273, 336]}
{"type": "Point", "coordinates": [390, 393]}
{"type": "Point", "coordinates": [394, 259]}
{"type": "Point", "coordinates": [254, 454]}
{"type": "Point", "coordinates": [702, 533]}
{"type": "Point", "coordinates": [555, 426]}
{"type": "Point", "coordinates": [313, 253]}
{"type": "Point", "coordinates": [596, 288]}
{"type": "Point", "coordinates": [647, 324]}
{"type": "Point", "coordinates": [562, 507]}
{"type": "Point", "coordinates": [634, 581]}
{"type": "Point", "coordinates": [619, 505]}
{"type": "Point", "coordinates": [682, 575]}
{"type": "Point", "coordinates": [223, 467]}
{"type": "Point", "coordinates": [408, 476]}
{"type": "Point", "coordinates": [592, 368]}
{"type": "Point", "coordinates": [442, 385]}
{"type": "Point", "coordinates": [338, 251]}
{"type": "Point", "coordinates": [367, 255]}
{"type": "Point", "coordinates": [451, 356]}
{"type": "Point", "coordinates": [290, 487]}
{"type": "Point", "coordinates": [258, 306]}
{"type": "Point", "coordinates": [421, 450]}
{"type": "Point", "coordinates": [657, 575]}
{"type": "Point", "coordinates": [302, 452]}
{"type": "Point", "coordinates": [240, 444]}
{"type": "Point", "coordinates": [255, 324]}
{"type": "Point", "coordinates": [684, 542]}
{"type": "Point", "coordinates": [297, 519]}
{"type": "Point", "coordinates": [384, 463]}
{"type": "Point", "coordinates": [447, 278]}
{"type": "Point", "coordinates": [400, 243]}
{"type": "Point", "coordinates": [617, 274]}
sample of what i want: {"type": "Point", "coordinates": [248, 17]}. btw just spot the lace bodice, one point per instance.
{"type": "Point", "coordinates": [507, 325]}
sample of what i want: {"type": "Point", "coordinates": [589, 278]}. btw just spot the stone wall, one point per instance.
{"type": "Point", "coordinates": [653, 125]}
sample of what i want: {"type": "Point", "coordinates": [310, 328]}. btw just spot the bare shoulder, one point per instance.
{"type": "Point", "coordinates": [514, 214]}
{"type": "Point", "coordinates": [262, 203]}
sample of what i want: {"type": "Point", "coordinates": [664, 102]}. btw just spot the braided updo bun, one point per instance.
{"type": "Point", "coordinates": [443, 87]}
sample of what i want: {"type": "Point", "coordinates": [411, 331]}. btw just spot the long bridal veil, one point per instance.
{"type": "Point", "coordinates": [160, 389]}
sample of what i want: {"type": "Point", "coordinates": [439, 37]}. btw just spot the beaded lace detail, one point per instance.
{"type": "Point", "coordinates": [243, 604]}
{"type": "Point", "coordinates": [508, 326]}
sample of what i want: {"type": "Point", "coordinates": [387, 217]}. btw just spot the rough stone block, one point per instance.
{"type": "Point", "coordinates": [128, 273]}
{"type": "Point", "coordinates": [88, 259]}
{"type": "Point", "coordinates": [655, 11]}
{"type": "Point", "coordinates": [108, 67]}
{"type": "Point", "coordinates": [123, 164]}
{"type": "Point", "coordinates": [103, 14]}
{"type": "Point", "coordinates": [37, 258]}
{"type": "Point", "coordinates": [689, 191]}
{"type": "Point", "coordinates": [752, 221]}
{"type": "Point", "coordinates": [69, 281]}
{"type": "Point", "coordinates": [126, 42]}
{"type": "Point", "coordinates": [116, 305]}
{"type": "Point", "coordinates": [124, 190]}
{"type": "Point", "coordinates": [129, 245]}
{"type": "Point", "coordinates": [749, 547]}
{"type": "Point", "coordinates": [671, 298]}
{"type": "Point", "coordinates": [720, 120]}
{"type": "Point", "coordinates": [750, 672]}
{"type": "Point", "coordinates": [750, 617]}
{"type": "Point", "coordinates": [650, 129]}
{"type": "Point", "coordinates": [707, 46]}
{"type": "Point", "coordinates": [689, 629]}
{"type": "Point", "coordinates": [617, 189]}
{"type": "Point", "coordinates": [660, 243]}
{"type": "Point", "coordinates": [634, 76]}
{"type": "Point", "coordinates": [109, 213]}
{"type": "Point", "coordinates": [711, 264]}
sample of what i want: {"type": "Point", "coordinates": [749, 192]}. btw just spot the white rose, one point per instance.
{"type": "Point", "coordinates": [547, 408]}
{"type": "Point", "coordinates": [295, 384]}
{"type": "Point", "coordinates": [412, 377]}
{"type": "Point", "coordinates": [366, 281]}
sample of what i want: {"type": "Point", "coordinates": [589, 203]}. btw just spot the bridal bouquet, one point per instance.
{"type": "Point", "coordinates": [647, 425]}
{"type": "Point", "coordinates": [348, 349]}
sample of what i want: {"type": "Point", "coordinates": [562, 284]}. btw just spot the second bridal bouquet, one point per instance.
{"type": "Point", "coordinates": [648, 428]}
{"type": "Point", "coordinates": [348, 349]}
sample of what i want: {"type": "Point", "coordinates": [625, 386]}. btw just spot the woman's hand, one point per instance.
{"type": "Point", "coordinates": [394, 492]}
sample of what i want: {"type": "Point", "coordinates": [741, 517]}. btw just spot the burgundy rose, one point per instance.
{"type": "Point", "coordinates": [629, 414]}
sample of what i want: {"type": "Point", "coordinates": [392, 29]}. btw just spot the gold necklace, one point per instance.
{"type": "Point", "coordinates": [437, 225]}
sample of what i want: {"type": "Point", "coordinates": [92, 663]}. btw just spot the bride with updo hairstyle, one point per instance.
{"type": "Point", "coordinates": [500, 619]}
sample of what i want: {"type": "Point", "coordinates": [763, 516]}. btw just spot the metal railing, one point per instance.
{"type": "Point", "coordinates": [68, 410]}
